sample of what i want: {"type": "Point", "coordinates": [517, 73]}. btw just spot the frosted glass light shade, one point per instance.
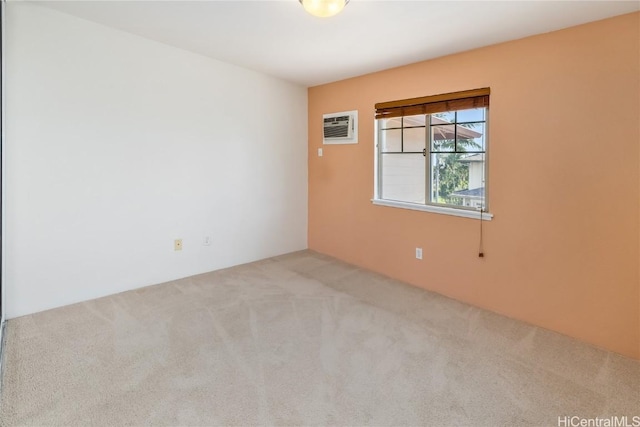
{"type": "Point", "coordinates": [323, 8]}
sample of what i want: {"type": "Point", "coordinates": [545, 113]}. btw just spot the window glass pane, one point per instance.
{"type": "Point", "coordinates": [475, 115]}
{"type": "Point", "coordinates": [403, 177]}
{"type": "Point", "coordinates": [471, 137]}
{"type": "Point", "coordinates": [458, 179]}
{"type": "Point", "coordinates": [394, 122]}
{"type": "Point", "coordinates": [414, 139]}
{"type": "Point", "coordinates": [454, 173]}
{"type": "Point", "coordinates": [390, 140]}
{"type": "Point", "coordinates": [414, 120]}
{"type": "Point", "coordinates": [442, 138]}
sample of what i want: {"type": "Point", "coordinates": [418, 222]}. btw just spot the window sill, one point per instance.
{"type": "Point", "coordinates": [486, 216]}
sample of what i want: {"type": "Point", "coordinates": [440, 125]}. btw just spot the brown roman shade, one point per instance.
{"type": "Point", "coordinates": [467, 99]}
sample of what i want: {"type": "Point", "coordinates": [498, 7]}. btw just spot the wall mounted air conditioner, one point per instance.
{"type": "Point", "coordinates": [340, 128]}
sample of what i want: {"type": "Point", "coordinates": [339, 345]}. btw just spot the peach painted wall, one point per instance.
{"type": "Point", "coordinates": [562, 251]}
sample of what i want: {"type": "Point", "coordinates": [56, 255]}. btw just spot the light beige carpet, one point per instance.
{"type": "Point", "coordinates": [300, 339]}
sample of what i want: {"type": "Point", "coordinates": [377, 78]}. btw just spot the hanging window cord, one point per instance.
{"type": "Point", "coordinates": [480, 248]}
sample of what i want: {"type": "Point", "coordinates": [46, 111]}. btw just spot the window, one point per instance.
{"type": "Point", "coordinates": [432, 151]}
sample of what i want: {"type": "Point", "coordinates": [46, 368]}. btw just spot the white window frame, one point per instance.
{"type": "Point", "coordinates": [428, 206]}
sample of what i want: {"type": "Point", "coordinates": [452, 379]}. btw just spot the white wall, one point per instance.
{"type": "Point", "coordinates": [116, 145]}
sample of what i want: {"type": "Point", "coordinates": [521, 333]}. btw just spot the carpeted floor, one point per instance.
{"type": "Point", "coordinates": [300, 339]}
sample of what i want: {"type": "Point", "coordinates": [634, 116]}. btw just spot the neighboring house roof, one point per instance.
{"type": "Point", "coordinates": [445, 132]}
{"type": "Point", "coordinates": [442, 132]}
{"type": "Point", "coordinates": [476, 192]}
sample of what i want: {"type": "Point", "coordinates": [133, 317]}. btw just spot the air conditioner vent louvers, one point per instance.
{"type": "Point", "coordinates": [340, 128]}
{"type": "Point", "coordinates": [340, 131]}
{"type": "Point", "coordinates": [336, 119]}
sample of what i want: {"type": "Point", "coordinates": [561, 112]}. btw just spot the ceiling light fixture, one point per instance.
{"type": "Point", "coordinates": [323, 8]}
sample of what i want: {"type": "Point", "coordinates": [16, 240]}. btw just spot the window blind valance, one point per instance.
{"type": "Point", "coordinates": [465, 100]}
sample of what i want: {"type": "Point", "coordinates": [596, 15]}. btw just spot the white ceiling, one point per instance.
{"type": "Point", "coordinates": [279, 38]}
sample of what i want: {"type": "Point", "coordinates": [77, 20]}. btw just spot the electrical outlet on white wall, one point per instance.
{"type": "Point", "coordinates": [206, 241]}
